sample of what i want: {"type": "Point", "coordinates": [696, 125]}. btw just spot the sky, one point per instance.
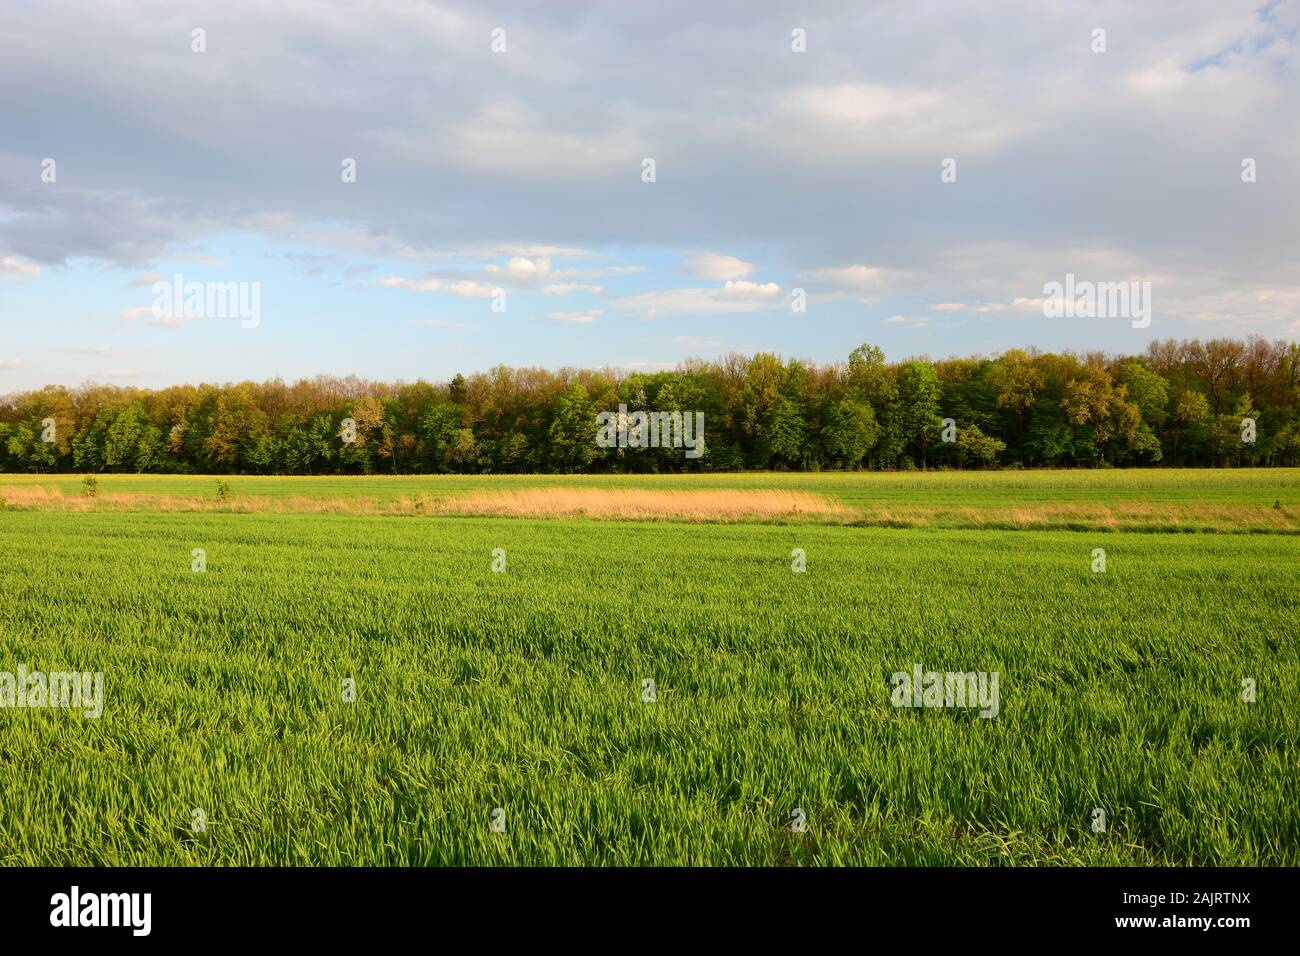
{"type": "Point", "coordinates": [920, 170]}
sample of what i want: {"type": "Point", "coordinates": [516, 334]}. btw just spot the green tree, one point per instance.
{"type": "Point", "coordinates": [1191, 413]}
{"type": "Point", "coordinates": [573, 430]}
{"type": "Point", "coordinates": [851, 431]}
{"type": "Point", "coordinates": [438, 428]}
{"type": "Point", "coordinates": [785, 434]}
{"type": "Point", "coordinates": [1017, 380]}
{"type": "Point", "coordinates": [1148, 391]}
{"type": "Point", "coordinates": [130, 441]}
{"type": "Point", "coordinates": [974, 444]}
{"type": "Point", "coordinates": [918, 405]}
{"type": "Point", "coordinates": [871, 377]}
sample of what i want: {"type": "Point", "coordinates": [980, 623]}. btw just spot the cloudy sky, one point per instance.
{"type": "Point", "coordinates": [520, 171]}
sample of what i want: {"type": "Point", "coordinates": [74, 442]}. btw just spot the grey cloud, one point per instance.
{"type": "Point", "coordinates": [828, 159]}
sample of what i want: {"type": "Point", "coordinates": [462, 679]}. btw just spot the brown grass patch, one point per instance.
{"type": "Point", "coordinates": [30, 495]}
{"type": "Point", "coordinates": [730, 504]}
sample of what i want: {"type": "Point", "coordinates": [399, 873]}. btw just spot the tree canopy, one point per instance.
{"type": "Point", "coordinates": [1181, 403]}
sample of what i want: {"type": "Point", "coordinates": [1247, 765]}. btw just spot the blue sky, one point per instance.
{"type": "Point", "coordinates": [521, 171]}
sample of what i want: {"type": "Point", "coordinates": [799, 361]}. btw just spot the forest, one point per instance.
{"type": "Point", "coordinates": [1219, 403]}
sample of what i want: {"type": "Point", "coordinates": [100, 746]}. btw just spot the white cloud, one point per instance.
{"type": "Point", "coordinates": [603, 272]}
{"type": "Point", "coordinates": [147, 279]}
{"type": "Point", "coordinates": [567, 288]}
{"type": "Point", "coordinates": [118, 373]}
{"type": "Point", "coordinates": [745, 287]}
{"type": "Point", "coordinates": [581, 318]}
{"type": "Point", "coordinates": [859, 278]}
{"type": "Point", "coordinates": [1244, 310]}
{"type": "Point", "coordinates": [980, 307]}
{"type": "Point", "coordinates": [887, 120]}
{"type": "Point", "coordinates": [734, 297]}
{"type": "Point", "coordinates": [466, 288]}
{"type": "Point", "coordinates": [11, 363]}
{"type": "Point", "coordinates": [615, 271]}
{"type": "Point", "coordinates": [522, 269]}
{"type": "Point", "coordinates": [714, 265]}
{"type": "Point", "coordinates": [861, 103]}
{"type": "Point", "coordinates": [1158, 80]}
{"type": "Point", "coordinates": [370, 243]}
{"type": "Point", "coordinates": [20, 270]}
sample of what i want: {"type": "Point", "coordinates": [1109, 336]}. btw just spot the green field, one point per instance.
{"type": "Point", "coordinates": [523, 690]}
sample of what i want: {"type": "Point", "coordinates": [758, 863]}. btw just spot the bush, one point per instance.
{"type": "Point", "coordinates": [89, 486]}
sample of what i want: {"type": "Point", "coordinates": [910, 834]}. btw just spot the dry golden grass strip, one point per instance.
{"type": "Point", "coordinates": [729, 504]}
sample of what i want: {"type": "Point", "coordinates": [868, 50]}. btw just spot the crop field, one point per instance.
{"type": "Point", "coordinates": [397, 678]}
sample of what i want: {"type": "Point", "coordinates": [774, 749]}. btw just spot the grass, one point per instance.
{"type": "Point", "coordinates": [523, 689]}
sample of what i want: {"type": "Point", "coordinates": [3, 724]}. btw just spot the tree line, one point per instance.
{"type": "Point", "coordinates": [1181, 403]}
